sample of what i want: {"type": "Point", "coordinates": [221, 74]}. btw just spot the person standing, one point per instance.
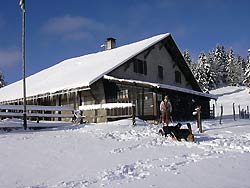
{"type": "Point", "coordinates": [166, 109]}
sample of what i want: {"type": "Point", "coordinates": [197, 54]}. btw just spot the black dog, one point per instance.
{"type": "Point", "coordinates": [177, 133]}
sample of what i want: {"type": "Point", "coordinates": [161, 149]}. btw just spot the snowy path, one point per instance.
{"type": "Point", "coordinates": [119, 155]}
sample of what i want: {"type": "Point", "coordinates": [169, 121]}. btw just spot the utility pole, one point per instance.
{"type": "Point", "coordinates": [22, 6]}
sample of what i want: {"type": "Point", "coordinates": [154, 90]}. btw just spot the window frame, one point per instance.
{"type": "Point", "coordinates": [140, 66]}
{"type": "Point", "coordinates": [160, 72]}
{"type": "Point", "coordinates": [178, 76]}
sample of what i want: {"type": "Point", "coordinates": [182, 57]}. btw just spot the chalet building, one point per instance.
{"type": "Point", "coordinates": [141, 73]}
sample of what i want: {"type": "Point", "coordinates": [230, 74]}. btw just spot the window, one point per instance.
{"type": "Point", "coordinates": [140, 66]}
{"type": "Point", "coordinates": [160, 72]}
{"type": "Point", "coordinates": [145, 70]}
{"type": "Point", "coordinates": [177, 76]}
{"type": "Point", "coordinates": [122, 94]}
{"type": "Point", "coordinates": [135, 67]}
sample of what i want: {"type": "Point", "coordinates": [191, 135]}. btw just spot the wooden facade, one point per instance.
{"type": "Point", "coordinates": [147, 100]}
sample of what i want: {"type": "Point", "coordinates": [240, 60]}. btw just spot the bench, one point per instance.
{"type": "Point", "coordinates": [37, 111]}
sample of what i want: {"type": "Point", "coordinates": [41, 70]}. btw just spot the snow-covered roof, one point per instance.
{"type": "Point", "coordinates": [76, 73]}
{"type": "Point", "coordinates": [164, 86]}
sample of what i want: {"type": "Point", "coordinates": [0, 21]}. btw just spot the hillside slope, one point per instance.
{"type": "Point", "coordinates": [229, 95]}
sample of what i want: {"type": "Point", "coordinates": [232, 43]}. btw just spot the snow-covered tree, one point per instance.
{"type": "Point", "coordinates": [236, 67]}
{"type": "Point", "coordinates": [201, 72]}
{"type": "Point", "coordinates": [232, 68]}
{"type": "Point", "coordinates": [220, 67]}
{"type": "Point", "coordinates": [204, 73]}
{"type": "Point", "coordinates": [212, 71]}
{"type": "Point", "coordinates": [220, 60]}
{"type": "Point", "coordinates": [246, 81]}
{"type": "Point", "coordinates": [2, 81]}
{"type": "Point", "coordinates": [240, 66]}
{"type": "Point", "coordinates": [192, 65]}
{"type": "Point", "coordinates": [187, 57]}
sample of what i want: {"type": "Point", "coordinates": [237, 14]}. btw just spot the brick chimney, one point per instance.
{"type": "Point", "coordinates": [110, 43]}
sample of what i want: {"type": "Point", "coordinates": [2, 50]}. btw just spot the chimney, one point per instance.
{"type": "Point", "coordinates": [110, 43]}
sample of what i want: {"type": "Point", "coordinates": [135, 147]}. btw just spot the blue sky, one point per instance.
{"type": "Point", "coordinates": [61, 29]}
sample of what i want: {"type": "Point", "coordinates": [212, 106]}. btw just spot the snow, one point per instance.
{"type": "Point", "coordinates": [117, 154]}
{"type": "Point", "coordinates": [36, 107]}
{"type": "Point", "coordinates": [74, 77]}
{"type": "Point", "coordinates": [229, 95]}
{"type": "Point", "coordinates": [105, 106]}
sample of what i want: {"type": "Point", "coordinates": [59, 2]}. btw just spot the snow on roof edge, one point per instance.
{"type": "Point", "coordinates": [105, 106]}
{"type": "Point", "coordinates": [165, 86]}
{"type": "Point", "coordinates": [48, 94]}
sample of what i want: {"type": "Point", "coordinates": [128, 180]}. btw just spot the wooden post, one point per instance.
{"type": "Point", "coordinates": [248, 112]}
{"type": "Point", "coordinates": [234, 112]}
{"type": "Point", "coordinates": [239, 112]}
{"type": "Point", "coordinates": [213, 111]}
{"type": "Point", "coordinates": [95, 116]}
{"type": "Point", "coordinates": [142, 104]}
{"type": "Point", "coordinates": [221, 113]}
{"type": "Point", "coordinates": [153, 109]}
{"type": "Point", "coordinates": [199, 120]}
{"type": "Point", "coordinates": [133, 115]}
{"type": "Point", "coordinates": [197, 112]}
{"type": "Point", "coordinates": [81, 120]}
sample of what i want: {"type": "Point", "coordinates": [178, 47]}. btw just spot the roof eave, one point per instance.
{"type": "Point", "coordinates": [164, 86]}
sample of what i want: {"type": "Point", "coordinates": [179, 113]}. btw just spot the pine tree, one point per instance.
{"type": "Point", "coordinates": [192, 65]}
{"type": "Point", "coordinates": [187, 57]}
{"type": "Point", "coordinates": [2, 81]}
{"type": "Point", "coordinates": [246, 81]}
{"type": "Point", "coordinates": [212, 71]}
{"type": "Point", "coordinates": [235, 69]}
{"type": "Point", "coordinates": [240, 64]}
{"type": "Point", "coordinates": [220, 67]}
{"type": "Point", "coordinates": [220, 60]}
{"type": "Point", "coordinates": [232, 68]}
{"type": "Point", "coordinates": [201, 72]}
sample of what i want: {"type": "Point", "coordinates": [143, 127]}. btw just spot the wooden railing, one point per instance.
{"type": "Point", "coordinates": [129, 108]}
{"type": "Point", "coordinates": [36, 111]}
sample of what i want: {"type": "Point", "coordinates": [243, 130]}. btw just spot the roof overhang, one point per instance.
{"type": "Point", "coordinates": [45, 95]}
{"type": "Point", "coordinates": [158, 85]}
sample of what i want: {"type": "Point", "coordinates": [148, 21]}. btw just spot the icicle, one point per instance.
{"type": "Point", "coordinates": [76, 92]}
{"type": "Point", "coordinates": [49, 95]}
{"type": "Point", "coordinates": [68, 96]}
{"type": "Point", "coordinates": [50, 98]}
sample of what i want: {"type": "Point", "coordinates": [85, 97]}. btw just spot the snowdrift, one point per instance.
{"type": "Point", "coordinates": [117, 154]}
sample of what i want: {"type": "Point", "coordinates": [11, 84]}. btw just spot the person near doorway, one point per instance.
{"type": "Point", "coordinates": [166, 109]}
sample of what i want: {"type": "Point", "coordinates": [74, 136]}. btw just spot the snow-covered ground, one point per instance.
{"type": "Point", "coordinates": [117, 154]}
{"type": "Point", "coordinates": [228, 96]}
